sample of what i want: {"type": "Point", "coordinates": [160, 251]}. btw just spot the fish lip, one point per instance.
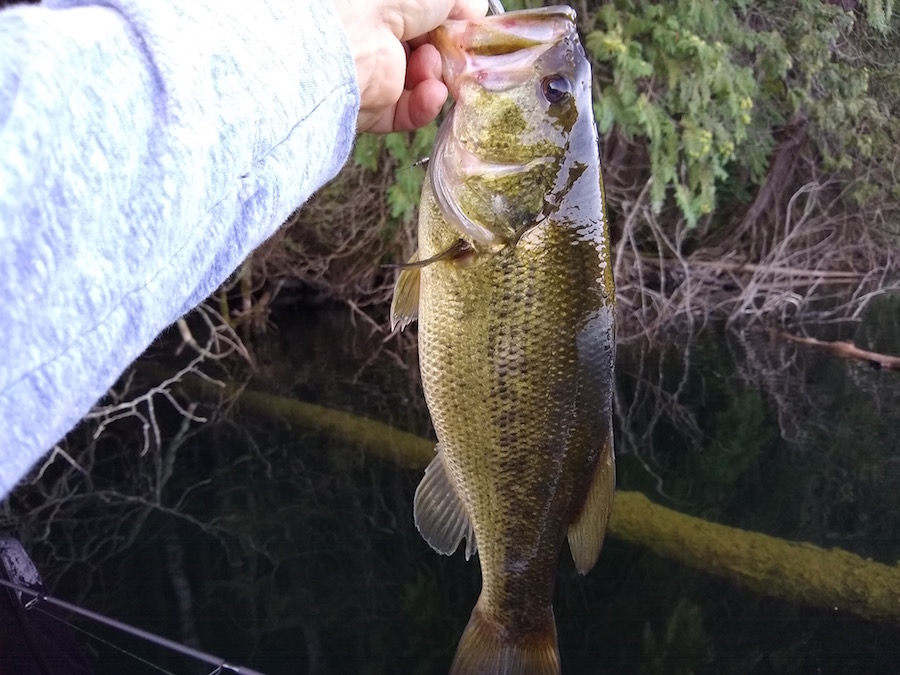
{"type": "Point", "coordinates": [500, 50]}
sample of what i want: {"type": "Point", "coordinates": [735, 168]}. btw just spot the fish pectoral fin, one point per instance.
{"type": "Point", "coordinates": [587, 531]}
{"type": "Point", "coordinates": [405, 304]}
{"type": "Point", "coordinates": [459, 250]}
{"type": "Point", "coordinates": [439, 513]}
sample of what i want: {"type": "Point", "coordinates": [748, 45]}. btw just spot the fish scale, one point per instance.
{"type": "Point", "coordinates": [514, 299]}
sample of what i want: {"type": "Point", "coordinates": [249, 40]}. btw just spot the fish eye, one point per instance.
{"type": "Point", "coordinates": [555, 88]}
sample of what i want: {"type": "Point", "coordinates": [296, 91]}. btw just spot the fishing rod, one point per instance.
{"type": "Point", "coordinates": [37, 597]}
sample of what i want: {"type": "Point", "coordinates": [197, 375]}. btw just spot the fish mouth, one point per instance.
{"type": "Point", "coordinates": [499, 51]}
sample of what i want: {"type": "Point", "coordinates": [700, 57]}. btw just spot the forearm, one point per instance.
{"type": "Point", "coordinates": [138, 166]}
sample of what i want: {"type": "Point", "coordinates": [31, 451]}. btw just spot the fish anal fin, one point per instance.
{"type": "Point", "coordinates": [586, 533]}
{"type": "Point", "coordinates": [439, 513]}
{"type": "Point", "coordinates": [405, 304]}
{"type": "Point", "coordinates": [488, 647]}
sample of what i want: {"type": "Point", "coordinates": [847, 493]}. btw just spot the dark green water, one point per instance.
{"type": "Point", "coordinates": [280, 549]}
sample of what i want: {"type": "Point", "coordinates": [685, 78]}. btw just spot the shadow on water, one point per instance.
{"type": "Point", "coordinates": [285, 550]}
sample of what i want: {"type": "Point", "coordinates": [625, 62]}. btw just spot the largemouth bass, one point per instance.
{"type": "Point", "coordinates": [512, 287]}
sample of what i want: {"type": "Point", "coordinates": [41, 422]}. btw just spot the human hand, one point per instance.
{"type": "Point", "coordinates": [399, 74]}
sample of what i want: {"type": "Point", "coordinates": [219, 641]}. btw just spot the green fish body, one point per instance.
{"type": "Point", "coordinates": [512, 287]}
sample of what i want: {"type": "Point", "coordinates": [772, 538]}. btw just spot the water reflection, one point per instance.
{"type": "Point", "coordinates": [282, 549]}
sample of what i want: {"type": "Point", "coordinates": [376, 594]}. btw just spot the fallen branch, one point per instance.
{"type": "Point", "coordinates": [813, 275]}
{"type": "Point", "coordinates": [795, 571]}
{"type": "Point", "coordinates": [847, 350]}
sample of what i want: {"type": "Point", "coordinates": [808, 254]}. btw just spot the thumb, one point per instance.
{"type": "Point", "coordinates": [413, 18]}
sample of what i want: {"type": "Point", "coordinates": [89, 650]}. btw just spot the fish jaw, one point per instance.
{"type": "Point", "coordinates": [500, 151]}
{"type": "Point", "coordinates": [511, 54]}
{"type": "Point", "coordinates": [499, 51]}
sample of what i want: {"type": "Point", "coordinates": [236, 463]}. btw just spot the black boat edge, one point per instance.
{"type": "Point", "coordinates": [34, 637]}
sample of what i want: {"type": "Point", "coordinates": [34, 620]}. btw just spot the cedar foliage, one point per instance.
{"type": "Point", "coordinates": [749, 158]}
{"type": "Point", "coordinates": [710, 86]}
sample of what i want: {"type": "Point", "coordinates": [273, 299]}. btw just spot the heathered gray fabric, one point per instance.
{"type": "Point", "coordinates": [146, 147]}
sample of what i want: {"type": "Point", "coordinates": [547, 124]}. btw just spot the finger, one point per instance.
{"type": "Point", "coordinates": [423, 105]}
{"type": "Point", "coordinates": [424, 64]}
{"type": "Point", "coordinates": [469, 9]}
{"type": "Point", "coordinates": [416, 108]}
{"type": "Point", "coordinates": [420, 17]}
{"type": "Point", "coordinates": [415, 43]}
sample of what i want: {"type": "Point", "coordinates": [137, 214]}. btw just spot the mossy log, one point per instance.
{"type": "Point", "coordinates": [384, 441]}
{"type": "Point", "coordinates": [776, 567]}
{"type": "Point", "coordinates": [796, 571]}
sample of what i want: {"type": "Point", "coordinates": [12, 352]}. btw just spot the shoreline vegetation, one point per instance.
{"type": "Point", "coordinates": [749, 164]}
{"type": "Point", "coordinates": [796, 571]}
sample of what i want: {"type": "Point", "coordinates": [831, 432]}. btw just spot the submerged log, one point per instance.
{"type": "Point", "coordinates": [847, 350]}
{"type": "Point", "coordinates": [382, 440]}
{"type": "Point", "coordinates": [796, 571]}
{"type": "Point", "coordinates": [800, 572]}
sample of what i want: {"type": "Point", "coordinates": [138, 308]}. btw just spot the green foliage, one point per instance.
{"type": "Point", "coordinates": [403, 151]}
{"type": "Point", "coordinates": [707, 87]}
{"type": "Point", "coordinates": [844, 81]}
{"type": "Point", "coordinates": [676, 79]}
{"type": "Point", "coordinates": [708, 84]}
{"type": "Point", "coordinates": [511, 5]}
{"type": "Point", "coordinates": [367, 150]}
{"type": "Point", "coordinates": [827, 85]}
{"type": "Point", "coordinates": [879, 13]}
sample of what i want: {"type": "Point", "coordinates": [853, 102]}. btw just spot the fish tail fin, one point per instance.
{"type": "Point", "coordinates": [488, 648]}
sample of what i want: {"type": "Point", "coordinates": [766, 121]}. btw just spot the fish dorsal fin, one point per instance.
{"type": "Point", "coordinates": [439, 513]}
{"type": "Point", "coordinates": [587, 531]}
{"type": "Point", "coordinates": [405, 304]}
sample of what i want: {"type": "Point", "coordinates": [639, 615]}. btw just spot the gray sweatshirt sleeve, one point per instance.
{"type": "Point", "coordinates": [146, 147]}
